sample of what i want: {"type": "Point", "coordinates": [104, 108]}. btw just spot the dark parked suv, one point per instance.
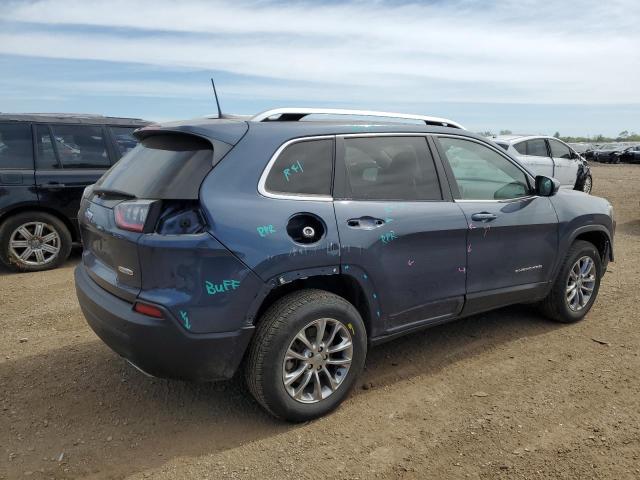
{"type": "Point", "coordinates": [285, 246]}
{"type": "Point", "coordinates": [46, 161]}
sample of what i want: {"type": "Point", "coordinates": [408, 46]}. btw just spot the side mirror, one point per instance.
{"type": "Point", "coordinates": [546, 186]}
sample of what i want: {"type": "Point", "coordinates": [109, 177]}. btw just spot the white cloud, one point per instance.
{"type": "Point", "coordinates": [512, 51]}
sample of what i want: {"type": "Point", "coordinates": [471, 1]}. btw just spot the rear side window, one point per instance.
{"type": "Point", "coordinates": [390, 168]}
{"type": "Point", "coordinates": [80, 146]}
{"type": "Point", "coordinates": [521, 148]}
{"type": "Point", "coordinates": [162, 167]}
{"type": "Point", "coordinates": [46, 158]}
{"type": "Point", "coordinates": [537, 148]}
{"type": "Point", "coordinates": [16, 149]}
{"type": "Point", "coordinates": [124, 139]}
{"type": "Point", "coordinates": [559, 150]}
{"type": "Point", "coordinates": [303, 168]}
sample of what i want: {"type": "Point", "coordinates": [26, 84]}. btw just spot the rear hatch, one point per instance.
{"type": "Point", "coordinates": [154, 188]}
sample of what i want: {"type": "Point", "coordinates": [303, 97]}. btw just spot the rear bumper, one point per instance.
{"type": "Point", "coordinates": [159, 347]}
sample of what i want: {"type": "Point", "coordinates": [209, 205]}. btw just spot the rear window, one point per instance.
{"type": "Point", "coordinates": [16, 150]}
{"type": "Point", "coordinates": [162, 167]}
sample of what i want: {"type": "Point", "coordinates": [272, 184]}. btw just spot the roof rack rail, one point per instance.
{"type": "Point", "coordinates": [295, 114]}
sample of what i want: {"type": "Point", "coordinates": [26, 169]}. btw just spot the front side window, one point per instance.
{"type": "Point", "coordinates": [80, 146]}
{"type": "Point", "coordinates": [481, 173]}
{"type": "Point", "coordinates": [537, 148]}
{"type": "Point", "coordinates": [303, 168]}
{"type": "Point", "coordinates": [16, 149]}
{"type": "Point", "coordinates": [559, 150]}
{"type": "Point", "coordinates": [390, 168]}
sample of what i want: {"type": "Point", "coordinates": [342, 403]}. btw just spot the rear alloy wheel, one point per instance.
{"type": "Point", "coordinates": [34, 241]}
{"type": "Point", "coordinates": [307, 353]}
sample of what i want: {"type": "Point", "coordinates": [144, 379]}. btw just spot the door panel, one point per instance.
{"type": "Point", "coordinates": [397, 233]}
{"type": "Point", "coordinates": [566, 168]}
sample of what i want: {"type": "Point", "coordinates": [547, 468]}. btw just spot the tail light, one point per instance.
{"type": "Point", "coordinates": [132, 215]}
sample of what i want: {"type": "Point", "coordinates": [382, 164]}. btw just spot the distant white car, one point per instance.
{"type": "Point", "coordinates": [550, 157]}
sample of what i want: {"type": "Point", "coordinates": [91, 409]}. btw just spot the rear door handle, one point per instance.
{"type": "Point", "coordinates": [483, 217]}
{"type": "Point", "coordinates": [365, 223]}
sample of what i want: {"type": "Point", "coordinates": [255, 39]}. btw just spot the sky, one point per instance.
{"type": "Point", "coordinates": [522, 65]}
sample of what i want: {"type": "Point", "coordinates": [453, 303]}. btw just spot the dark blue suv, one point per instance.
{"type": "Point", "coordinates": [285, 246]}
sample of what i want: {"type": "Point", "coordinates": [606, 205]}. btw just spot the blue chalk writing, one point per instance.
{"type": "Point", "coordinates": [375, 296]}
{"type": "Point", "coordinates": [295, 167]}
{"type": "Point", "coordinates": [265, 230]}
{"type": "Point", "coordinates": [225, 286]}
{"type": "Point", "coordinates": [346, 267]}
{"type": "Point", "coordinates": [185, 319]}
{"type": "Point", "coordinates": [388, 237]}
{"type": "Point", "coordinates": [364, 275]}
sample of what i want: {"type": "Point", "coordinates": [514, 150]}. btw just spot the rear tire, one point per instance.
{"type": "Point", "coordinates": [33, 242]}
{"type": "Point", "coordinates": [277, 355]}
{"type": "Point", "coordinates": [576, 286]}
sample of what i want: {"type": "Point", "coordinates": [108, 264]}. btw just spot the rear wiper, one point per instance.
{"type": "Point", "coordinates": [113, 192]}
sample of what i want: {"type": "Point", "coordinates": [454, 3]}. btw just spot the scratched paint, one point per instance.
{"type": "Point", "coordinates": [185, 319]}
{"type": "Point", "coordinates": [411, 262]}
{"type": "Point", "coordinates": [469, 248]}
{"type": "Point", "coordinates": [223, 287]}
{"type": "Point", "coordinates": [265, 230]}
{"type": "Point", "coordinates": [295, 168]}
{"type": "Point", "coordinates": [472, 226]}
{"type": "Point", "coordinates": [462, 269]}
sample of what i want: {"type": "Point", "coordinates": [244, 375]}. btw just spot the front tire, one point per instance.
{"type": "Point", "coordinates": [576, 286]}
{"type": "Point", "coordinates": [587, 184]}
{"type": "Point", "coordinates": [34, 241]}
{"type": "Point", "coordinates": [308, 351]}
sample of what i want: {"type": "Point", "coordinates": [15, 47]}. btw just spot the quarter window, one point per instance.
{"type": "Point", "coordinates": [80, 146]}
{"type": "Point", "coordinates": [559, 150]}
{"type": "Point", "coordinates": [390, 168]}
{"type": "Point", "coordinates": [481, 173]}
{"type": "Point", "coordinates": [124, 139]}
{"type": "Point", "coordinates": [16, 149]}
{"type": "Point", "coordinates": [303, 168]}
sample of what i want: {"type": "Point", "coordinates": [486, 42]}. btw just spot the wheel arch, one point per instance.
{"type": "Point", "coordinates": [597, 235]}
{"type": "Point", "coordinates": [343, 285]}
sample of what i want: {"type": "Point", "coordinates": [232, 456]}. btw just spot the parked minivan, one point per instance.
{"type": "Point", "coordinates": [46, 161]}
{"type": "Point", "coordinates": [285, 248]}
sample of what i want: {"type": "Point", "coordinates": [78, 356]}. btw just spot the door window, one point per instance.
{"type": "Point", "coordinates": [16, 149]}
{"type": "Point", "coordinates": [125, 141]}
{"type": "Point", "coordinates": [521, 148]}
{"type": "Point", "coordinates": [390, 168]}
{"type": "Point", "coordinates": [303, 168]}
{"type": "Point", "coordinates": [46, 158]}
{"type": "Point", "coordinates": [80, 146]}
{"type": "Point", "coordinates": [482, 173]}
{"type": "Point", "coordinates": [537, 148]}
{"type": "Point", "coordinates": [559, 150]}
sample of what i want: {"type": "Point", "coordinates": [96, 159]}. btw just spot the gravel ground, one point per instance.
{"type": "Point", "coordinates": [505, 394]}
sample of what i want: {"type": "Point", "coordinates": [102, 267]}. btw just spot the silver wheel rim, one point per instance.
{"type": "Point", "coordinates": [587, 185]}
{"type": "Point", "coordinates": [317, 360]}
{"type": "Point", "coordinates": [580, 284]}
{"type": "Point", "coordinates": [34, 243]}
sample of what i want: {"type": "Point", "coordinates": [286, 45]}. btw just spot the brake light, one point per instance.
{"type": "Point", "coordinates": [132, 215]}
{"type": "Point", "coordinates": [148, 310]}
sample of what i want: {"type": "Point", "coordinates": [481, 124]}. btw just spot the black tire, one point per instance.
{"type": "Point", "coordinates": [275, 332]}
{"type": "Point", "coordinates": [555, 305]}
{"type": "Point", "coordinates": [587, 187]}
{"type": "Point", "coordinates": [11, 224]}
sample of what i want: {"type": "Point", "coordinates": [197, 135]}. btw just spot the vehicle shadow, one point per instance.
{"type": "Point", "coordinates": [110, 420]}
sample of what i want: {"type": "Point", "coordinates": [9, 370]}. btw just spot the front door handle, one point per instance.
{"type": "Point", "coordinates": [365, 223]}
{"type": "Point", "coordinates": [483, 217]}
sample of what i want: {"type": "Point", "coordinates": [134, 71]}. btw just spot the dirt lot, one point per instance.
{"type": "Point", "coordinates": [501, 395]}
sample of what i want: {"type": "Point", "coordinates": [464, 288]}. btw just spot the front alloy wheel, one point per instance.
{"type": "Point", "coordinates": [580, 284]}
{"type": "Point", "coordinates": [587, 185]}
{"type": "Point", "coordinates": [34, 244]}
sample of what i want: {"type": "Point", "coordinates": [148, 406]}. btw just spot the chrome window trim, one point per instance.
{"type": "Point", "coordinates": [262, 190]}
{"type": "Point", "coordinates": [264, 116]}
{"type": "Point", "coordinates": [502, 154]}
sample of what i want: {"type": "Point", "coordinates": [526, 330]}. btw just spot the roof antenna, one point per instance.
{"type": "Point", "coordinates": [217, 101]}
